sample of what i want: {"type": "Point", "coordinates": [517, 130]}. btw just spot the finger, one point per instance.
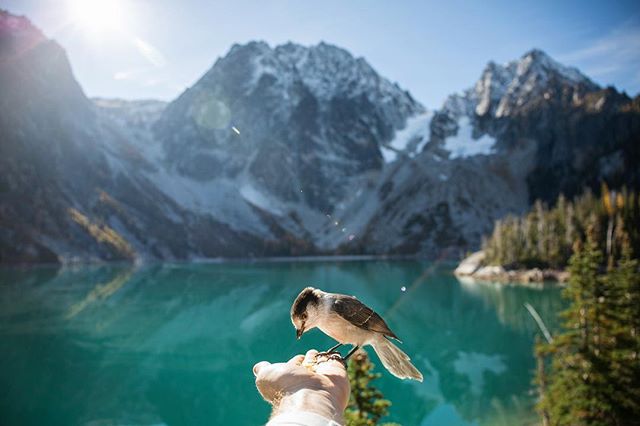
{"type": "Point", "coordinates": [310, 356]}
{"type": "Point", "coordinates": [259, 366]}
{"type": "Point", "coordinates": [331, 367]}
{"type": "Point", "coordinates": [296, 360]}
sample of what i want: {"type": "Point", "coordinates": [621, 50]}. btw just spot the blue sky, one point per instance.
{"type": "Point", "coordinates": [431, 48]}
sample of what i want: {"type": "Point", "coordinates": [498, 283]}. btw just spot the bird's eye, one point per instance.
{"type": "Point", "coordinates": [303, 317]}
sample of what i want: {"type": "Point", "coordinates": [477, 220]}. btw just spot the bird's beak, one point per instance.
{"type": "Point", "coordinates": [299, 332]}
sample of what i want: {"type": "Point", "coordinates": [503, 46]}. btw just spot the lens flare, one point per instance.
{"type": "Point", "coordinates": [98, 16]}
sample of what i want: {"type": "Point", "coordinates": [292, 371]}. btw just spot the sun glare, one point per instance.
{"type": "Point", "coordinates": [97, 16]}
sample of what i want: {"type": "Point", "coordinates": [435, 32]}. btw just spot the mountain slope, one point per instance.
{"type": "Point", "coordinates": [74, 185]}
{"type": "Point", "coordinates": [290, 150]}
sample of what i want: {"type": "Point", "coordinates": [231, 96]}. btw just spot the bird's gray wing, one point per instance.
{"type": "Point", "coordinates": [360, 315]}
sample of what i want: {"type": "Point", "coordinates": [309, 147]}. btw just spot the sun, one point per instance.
{"type": "Point", "coordinates": [98, 16]}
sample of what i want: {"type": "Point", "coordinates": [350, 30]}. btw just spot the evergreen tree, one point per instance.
{"type": "Point", "coordinates": [624, 324]}
{"type": "Point", "coordinates": [366, 404]}
{"type": "Point", "coordinates": [594, 373]}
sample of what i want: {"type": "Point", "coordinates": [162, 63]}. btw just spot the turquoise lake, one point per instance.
{"type": "Point", "coordinates": [174, 344]}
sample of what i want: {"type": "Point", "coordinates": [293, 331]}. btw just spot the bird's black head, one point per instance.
{"type": "Point", "coordinates": [306, 301]}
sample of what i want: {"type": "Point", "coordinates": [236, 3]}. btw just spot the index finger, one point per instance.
{"type": "Point", "coordinates": [331, 367]}
{"type": "Point", "coordinates": [310, 356]}
{"type": "Point", "coordinates": [296, 360]}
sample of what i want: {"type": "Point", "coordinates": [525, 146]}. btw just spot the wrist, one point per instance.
{"type": "Point", "coordinates": [318, 402]}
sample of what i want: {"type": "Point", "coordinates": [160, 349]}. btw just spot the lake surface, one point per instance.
{"type": "Point", "coordinates": [174, 344]}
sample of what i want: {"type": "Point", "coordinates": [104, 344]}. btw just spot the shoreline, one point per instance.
{"type": "Point", "coordinates": [472, 267]}
{"type": "Point", "coordinates": [215, 261]}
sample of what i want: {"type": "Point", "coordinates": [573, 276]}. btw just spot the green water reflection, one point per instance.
{"type": "Point", "coordinates": [174, 344]}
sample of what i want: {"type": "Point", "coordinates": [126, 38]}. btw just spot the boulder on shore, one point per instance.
{"type": "Point", "coordinates": [472, 267]}
{"type": "Point", "coordinates": [470, 264]}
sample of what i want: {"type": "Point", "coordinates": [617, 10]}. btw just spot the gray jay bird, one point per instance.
{"type": "Point", "coordinates": [349, 321]}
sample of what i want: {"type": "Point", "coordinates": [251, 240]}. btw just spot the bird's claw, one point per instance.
{"type": "Point", "coordinates": [326, 353]}
{"type": "Point", "coordinates": [328, 356]}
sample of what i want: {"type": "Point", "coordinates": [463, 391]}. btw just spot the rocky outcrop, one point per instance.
{"type": "Point", "coordinates": [470, 264]}
{"type": "Point", "coordinates": [473, 267]}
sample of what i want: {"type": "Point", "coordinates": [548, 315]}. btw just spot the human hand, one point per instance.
{"type": "Point", "coordinates": [305, 383]}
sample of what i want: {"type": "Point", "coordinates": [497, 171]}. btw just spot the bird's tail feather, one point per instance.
{"type": "Point", "coordinates": [397, 362]}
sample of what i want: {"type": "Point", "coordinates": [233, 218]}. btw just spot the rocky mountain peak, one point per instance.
{"type": "Point", "coordinates": [325, 70]}
{"type": "Point", "coordinates": [537, 61]}
{"type": "Point", "coordinates": [17, 34]}
{"type": "Point", "coordinates": [29, 62]}
{"type": "Point", "coordinates": [536, 75]}
{"type": "Point", "coordinates": [503, 90]}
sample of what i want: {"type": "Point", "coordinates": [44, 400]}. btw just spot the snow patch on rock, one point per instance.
{"type": "Point", "coordinates": [257, 198]}
{"type": "Point", "coordinates": [464, 145]}
{"type": "Point", "coordinates": [411, 139]}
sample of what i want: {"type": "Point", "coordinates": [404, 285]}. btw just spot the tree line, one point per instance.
{"type": "Point", "coordinates": [544, 237]}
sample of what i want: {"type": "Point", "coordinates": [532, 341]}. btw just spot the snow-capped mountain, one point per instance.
{"type": "Point", "coordinates": [530, 129]}
{"type": "Point", "coordinates": [290, 150]}
{"type": "Point", "coordinates": [290, 132]}
{"type": "Point", "coordinates": [503, 91]}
